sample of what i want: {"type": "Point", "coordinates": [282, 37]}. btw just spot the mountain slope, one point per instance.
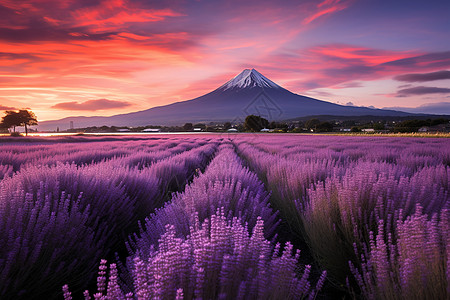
{"type": "Point", "coordinates": [248, 93]}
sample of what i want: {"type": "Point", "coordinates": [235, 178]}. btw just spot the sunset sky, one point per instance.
{"type": "Point", "coordinates": [104, 57]}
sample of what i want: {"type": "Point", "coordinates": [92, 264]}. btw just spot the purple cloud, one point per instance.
{"type": "Point", "coordinates": [418, 77]}
{"type": "Point", "coordinates": [11, 56]}
{"type": "Point", "coordinates": [42, 32]}
{"type": "Point", "coordinates": [92, 105]}
{"type": "Point", "coordinates": [3, 107]}
{"type": "Point", "coordinates": [434, 60]}
{"type": "Point", "coordinates": [439, 108]}
{"type": "Point", "coordinates": [422, 90]}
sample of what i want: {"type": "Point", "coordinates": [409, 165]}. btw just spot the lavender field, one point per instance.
{"type": "Point", "coordinates": [225, 217]}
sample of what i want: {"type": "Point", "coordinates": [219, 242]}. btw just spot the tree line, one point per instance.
{"type": "Point", "coordinates": [22, 117]}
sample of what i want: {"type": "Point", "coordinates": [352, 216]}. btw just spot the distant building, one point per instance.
{"type": "Point", "coordinates": [123, 130]}
{"type": "Point", "coordinates": [424, 129]}
{"type": "Point", "coordinates": [265, 130]}
{"type": "Point", "coordinates": [71, 124]}
{"type": "Point", "coordinates": [346, 129]}
{"type": "Point", "coordinates": [368, 130]}
{"type": "Point", "coordinates": [151, 130]}
{"type": "Point", "coordinates": [197, 129]}
{"type": "Point", "coordinates": [233, 130]}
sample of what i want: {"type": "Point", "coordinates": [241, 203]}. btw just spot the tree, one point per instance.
{"type": "Point", "coordinates": [348, 123]}
{"type": "Point", "coordinates": [312, 124]}
{"type": "Point", "coordinates": [255, 123]}
{"type": "Point", "coordinates": [188, 127]}
{"type": "Point", "coordinates": [27, 118]}
{"type": "Point", "coordinates": [227, 125]}
{"type": "Point", "coordinates": [411, 125]}
{"type": "Point", "coordinates": [3, 128]}
{"type": "Point", "coordinates": [378, 126]}
{"type": "Point", "coordinates": [324, 127]}
{"type": "Point", "coordinates": [21, 118]}
{"type": "Point", "coordinates": [11, 119]}
{"type": "Point", "coordinates": [200, 125]}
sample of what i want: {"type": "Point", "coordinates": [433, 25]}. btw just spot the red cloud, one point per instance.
{"type": "Point", "coordinates": [112, 15]}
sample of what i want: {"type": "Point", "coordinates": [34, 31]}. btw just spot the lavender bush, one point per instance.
{"type": "Point", "coordinates": [345, 188]}
{"type": "Point", "coordinates": [374, 212]}
{"type": "Point", "coordinates": [219, 259]}
{"type": "Point", "coordinates": [225, 183]}
{"type": "Point", "coordinates": [5, 170]}
{"type": "Point", "coordinates": [108, 199]}
{"type": "Point", "coordinates": [412, 263]}
{"type": "Point", "coordinates": [46, 240]}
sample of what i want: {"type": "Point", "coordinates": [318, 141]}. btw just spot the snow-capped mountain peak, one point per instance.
{"type": "Point", "coordinates": [249, 78]}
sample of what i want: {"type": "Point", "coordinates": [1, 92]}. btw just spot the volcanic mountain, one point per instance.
{"type": "Point", "coordinates": [248, 93]}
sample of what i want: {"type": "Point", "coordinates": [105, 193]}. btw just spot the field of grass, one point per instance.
{"type": "Point", "coordinates": [225, 217]}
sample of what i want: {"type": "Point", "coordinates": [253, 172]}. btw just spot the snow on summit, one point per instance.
{"type": "Point", "coordinates": [249, 78]}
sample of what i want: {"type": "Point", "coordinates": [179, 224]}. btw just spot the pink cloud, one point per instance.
{"type": "Point", "coordinates": [332, 65]}
{"type": "Point", "coordinates": [92, 105]}
{"type": "Point", "coordinates": [325, 8]}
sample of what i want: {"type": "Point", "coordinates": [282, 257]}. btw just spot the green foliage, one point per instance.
{"type": "Point", "coordinates": [297, 130]}
{"type": "Point", "coordinates": [312, 123]}
{"type": "Point", "coordinates": [324, 127]}
{"type": "Point", "coordinates": [200, 125]}
{"type": "Point", "coordinates": [255, 123]}
{"type": "Point", "coordinates": [319, 126]}
{"type": "Point", "coordinates": [439, 121]}
{"type": "Point", "coordinates": [348, 123]}
{"type": "Point", "coordinates": [188, 127]}
{"type": "Point", "coordinates": [414, 125]}
{"type": "Point", "coordinates": [279, 125]}
{"type": "Point", "coordinates": [378, 126]}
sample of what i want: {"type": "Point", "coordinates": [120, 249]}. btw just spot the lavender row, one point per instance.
{"type": "Point", "coordinates": [340, 201]}
{"type": "Point", "coordinates": [225, 183]}
{"type": "Point", "coordinates": [98, 205]}
{"type": "Point", "coordinates": [200, 246]}
{"type": "Point", "coordinates": [412, 153]}
{"type": "Point", "coordinates": [410, 263]}
{"type": "Point", "coordinates": [219, 259]}
{"type": "Point", "coordinates": [122, 151]}
{"type": "Point", "coordinates": [5, 171]}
